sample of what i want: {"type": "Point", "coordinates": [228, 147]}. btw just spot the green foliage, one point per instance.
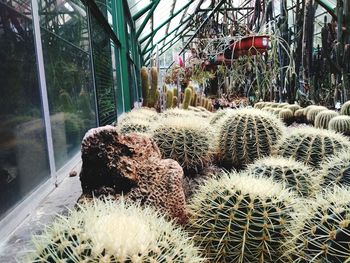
{"type": "Point", "coordinates": [187, 98]}
{"type": "Point", "coordinates": [108, 231]}
{"type": "Point", "coordinates": [240, 218]}
{"type": "Point", "coordinates": [186, 140]}
{"type": "Point", "coordinates": [312, 146]}
{"type": "Point", "coordinates": [322, 119]}
{"type": "Point", "coordinates": [144, 85]}
{"type": "Point", "coordinates": [340, 124]}
{"type": "Point", "coordinates": [169, 99]}
{"type": "Point", "coordinates": [322, 233]}
{"type": "Point", "coordinates": [345, 109]}
{"type": "Point", "coordinates": [336, 170]}
{"type": "Point", "coordinates": [246, 135]}
{"type": "Point", "coordinates": [291, 174]}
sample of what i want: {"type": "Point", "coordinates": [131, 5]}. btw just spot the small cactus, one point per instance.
{"type": "Point", "coordinates": [246, 135]}
{"type": "Point", "coordinates": [194, 99]}
{"type": "Point", "coordinates": [176, 92]}
{"type": "Point", "coordinates": [283, 104]}
{"type": "Point", "coordinates": [134, 125]}
{"type": "Point", "coordinates": [153, 92]}
{"type": "Point", "coordinates": [287, 116]}
{"type": "Point", "coordinates": [169, 99]}
{"type": "Point", "coordinates": [340, 124]}
{"type": "Point", "coordinates": [292, 107]}
{"type": "Point", "coordinates": [185, 140]}
{"type": "Point", "coordinates": [312, 146]}
{"type": "Point", "coordinates": [345, 109]}
{"type": "Point", "coordinates": [290, 173]}
{"type": "Point", "coordinates": [174, 102]}
{"type": "Point", "coordinates": [144, 85]}
{"type": "Point", "coordinates": [299, 116]}
{"type": "Point", "coordinates": [322, 119]}
{"type": "Point", "coordinates": [187, 98]}
{"type": "Point", "coordinates": [259, 105]}
{"type": "Point", "coordinates": [240, 218]}
{"type": "Point", "coordinates": [109, 231]}
{"type": "Point", "coordinates": [312, 113]}
{"type": "Point", "coordinates": [322, 232]}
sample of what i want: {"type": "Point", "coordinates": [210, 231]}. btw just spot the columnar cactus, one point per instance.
{"type": "Point", "coordinates": [336, 170]}
{"type": "Point", "coordinates": [323, 118]}
{"type": "Point", "coordinates": [174, 105]}
{"type": "Point", "coordinates": [292, 174]}
{"type": "Point", "coordinates": [194, 99]}
{"type": "Point", "coordinates": [240, 218]}
{"type": "Point", "coordinates": [187, 98]}
{"type": "Point", "coordinates": [185, 140]}
{"type": "Point", "coordinates": [340, 124]}
{"type": "Point", "coordinates": [322, 234]}
{"type": "Point", "coordinates": [144, 85]}
{"type": "Point", "coordinates": [345, 109]}
{"type": "Point", "coordinates": [312, 113]}
{"type": "Point", "coordinates": [287, 116]}
{"type": "Point", "coordinates": [169, 99]}
{"type": "Point", "coordinates": [109, 231]}
{"type": "Point", "coordinates": [153, 95]}
{"type": "Point", "coordinates": [246, 135]}
{"type": "Point", "coordinates": [312, 146]}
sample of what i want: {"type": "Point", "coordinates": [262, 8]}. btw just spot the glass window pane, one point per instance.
{"type": "Point", "coordinates": [66, 50]}
{"type": "Point", "coordinates": [23, 151]}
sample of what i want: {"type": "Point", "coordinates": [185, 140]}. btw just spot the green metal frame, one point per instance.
{"type": "Point", "coordinates": [145, 21]}
{"type": "Point", "coordinates": [142, 11]}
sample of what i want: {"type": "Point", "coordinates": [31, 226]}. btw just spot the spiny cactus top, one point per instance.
{"type": "Point", "coordinates": [345, 109]}
{"type": "Point", "coordinates": [336, 170]}
{"type": "Point", "coordinates": [246, 135]}
{"type": "Point", "coordinates": [219, 115]}
{"type": "Point", "coordinates": [135, 125]}
{"type": "Point", "coordinates": [312, 146]}
{"type": "Point", "coordinates": [145, 114]}
{"type": "Point", "coordinates": [322, 119]}
{"type": "Point", "coordinates": [240, 218]}
{"type": "Point", "coordinates": [322, 233]}
{"type": "Point", "coordinates": [290, 173]}
{"type": "Point", "coordinates": [186, 140]}
{"type": "Point", "coordinates": [340, 124]}
{"type": "Point", "coordinates": [108, 231]}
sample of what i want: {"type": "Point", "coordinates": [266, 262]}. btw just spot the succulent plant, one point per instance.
{"type": "Point", "coordinates": [322, 234]}
{"type": "Point", "coordinates": [300, 116]}
{"type": "Point", "coordinates": [153, 94]}
{"type": "Point", "coordinates": [312, 146]}
{"type": "Point", "coordinates": [292, 174]}
{"type": "Point", "coordinates": [340, 124]}
{"type": "Point", "coordinates": [219, 115]}
{"type": "Point", "coordinates": [187, 98]}
{"type": "Point", "coordinates": [259, 105]}
{"type": "Point", "coordinates": [169, 99]}
{"type": "Point", "coordinates": [194, 99]}
{"type": "Point", "coordinates": [174, 105]}
{"type": "Point", "coordinates": [292, 107]}
{"type": "Point", "coordinates": [175, 92]}
{"type": "Point", "coordinates": [240, 218]}
{"type": "Point", "coordinates": [146, 114]}
{"type": "Point", "coordinates": [109, 231]}
{"type": "Point", "coordinates": [345, 109]}
{"type": "Point", "coordinates": [287, 116]}
{"type": "Point", "coordinates": [322, 119]}
{"type": "Point", "coordinates": [283, 104]}
{"type": "Point", "coordinates": [144, 85]}
{"type": "Point", "coordinates": [135, 125]}
{"type": "Point", "coordinates": [312, 113]}
{"type": "Point", "coordinates": [185, 140]}
{"type": "Point", "coordinates": [336, 170]}
{"type": "Point", "coordinates": [246, 135]}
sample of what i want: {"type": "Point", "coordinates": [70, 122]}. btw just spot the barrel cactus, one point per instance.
{"type": "Point", "coordinates": [322, 234]}
{"type": "Point", "coordinates": [322, 119]}
{"type": "Point", "coordinates": [246, 135]}
{"type": "Point", "coordinates": [345, 109]}
{"type": "Point", "coordinates": [259, 105]}
{"type": "Point", "coordinates": [109, 231]}
{"type": "Point", "coordinates": [287, 116]}
{"type": "Point", "coordinates": [283, 104]}
{"type": "Point", "coordinates": [186, 140]}
{"type": "Point", "coordinates": [219, 115]}
{"type": "Point", "coordinates": [292, 107]}
{"type": "Point", "coordinates": [312, 146]}
{"type": "Point", "coordinates": [340, 124]}
{"type": "Point", "coordinates": [135, 125]}
{"type": "Point", "coordinates": [240, 218]}
{"type": "Point", "coordinates": [336, 170]}
{"type": "Point", "coordinates": [299, 115]}
{"type": "Point", "coordinates": [146, 114]}
{"type": "Point", "coordinates": [292, 174]}
{"type": "Point", "coordinates": [312, 113]}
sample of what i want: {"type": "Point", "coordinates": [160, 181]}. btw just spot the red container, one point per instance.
{"type": "Point", "coordinates": [250, 45]}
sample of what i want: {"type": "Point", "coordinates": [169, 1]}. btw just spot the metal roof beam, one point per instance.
{"type": "Point", "coordinates": [142, 11]}
{"type": "Point", "coordinates": [145, 21]}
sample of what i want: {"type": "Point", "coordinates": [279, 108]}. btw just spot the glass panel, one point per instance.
{"type": "Point", "coordinates": [65, 42]}
{"type": "Point", "coordinates": [23, 151]}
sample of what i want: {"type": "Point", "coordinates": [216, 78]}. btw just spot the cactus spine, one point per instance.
{"type": "Point", "coordinates": [323, 118]}
{"type": "Point", "coordinates": [144, 85]}
{"type": "Point", "coordinates": [187, 98]}
{"type": "Point", "coordinates": [287, 116]}
{"type": "Point", "coordinates": [340, 124]}
{"type": "Point", "coordinates": [169, 99]}
{"type": "Point", "coordinates": [345, 109]}
{"type": "Point", "coordinates": [312, 113]}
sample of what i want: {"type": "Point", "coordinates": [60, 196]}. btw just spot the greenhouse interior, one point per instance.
{"type": "Point", "coordinates": [175, 131]}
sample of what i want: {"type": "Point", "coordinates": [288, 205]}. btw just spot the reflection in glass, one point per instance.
{"type": "Point", "coordinates": [64, 34]}
{"type": "Point", "coordinates": [23, 151]}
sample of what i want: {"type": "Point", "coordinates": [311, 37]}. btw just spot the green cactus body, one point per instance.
{"type": "Point", "coordinates": [340, 124]}
{"type": "Point", "coordinates": [194, 99]}
{"type": "Point", "coordinates": [187, 98]}
{"type": "Point", "coordinates": [322, 233]}
{"type": "Point", "coordinates": [144, 85]}
{"type": "Point", "coordinates": [322, 119]}
{"type": "Point", "coordinates": [345, 109]}
{"type": "Point", "coordinates": [299, 115]}
{"type": "Point", "coordinates": [185, 140]}
{"type": "Point", "coordinates": [176, 92]}
{"type": "Point", "coordinates": [287, 116]}
{"type": "Point", "coordinates": [312, 146]}
{"type": "Point", "coordinates": [219, 115]}
{"type": "Point", "coordinates": [336, 170]}
{"type": "Point", "coordinates": [164, 89]}
{"type": "Point", "coordinates": [259, 105]}
{"type": "Point", "coordinates": [312, 113]}
{"type": "Point", "coordinates": [240, 218]}
{"type": "Point", "coordinates": [145, 114]}
{"type": "Point", "coordinates": [276, 111]}
{"type": "Point", "coordinates": [174, 102]}
{"type": "Point", "coordinates": [153, 92]}
{"type": "Point", "coordinates": [169, 99]}
{"type": "Point", "coordinates": [108, 231]}
{"type": "Point", "coordinates": [206, 103]}
{"type": "Point", "coordinates": [202, 102]}
{"type": "Point", "coordinates": [292, 107]}
{"type": "Point", "coordinates": [135, 125]}
{"type": "Point", "coordinates": [292, 174]}
{"type": "Point", "coordinates": [246, 135]}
